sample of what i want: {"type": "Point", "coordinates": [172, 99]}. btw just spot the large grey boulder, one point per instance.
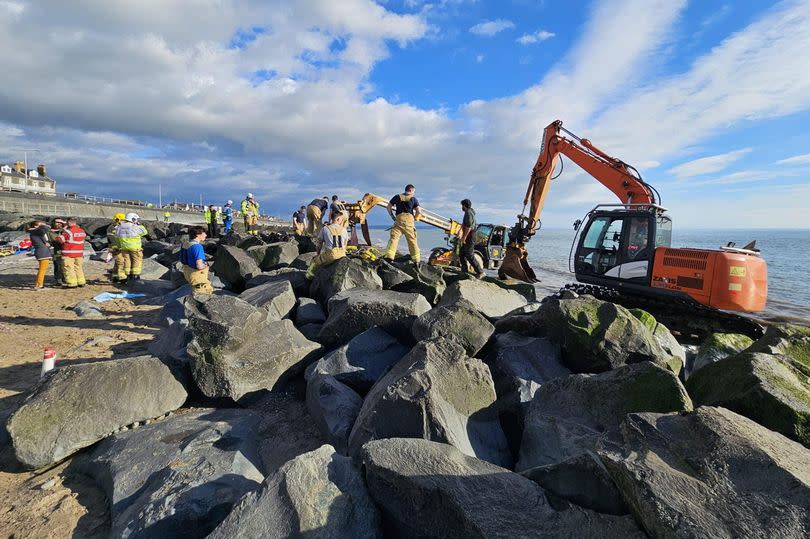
{"type": "Point", "coordinates": [276, 297]}
{"type": "Point", "coordinates": [595, 335]}
{"type": "Point", "coordinates": [787, 340]}
{"type": "Point", "coordinates": [519, 366]}
{"type": "Point", "coordinates": [490, 299]}
{"type": "Point", "coordinates": [426, 280]}
{"type": "Point", "coordinates": [296, 278]}
{"type": "Point", "coordinates": [770, 389]}
{"type": "Point", "coordinates": [319, 494]}
{"type": "Point", "coordinates": [156, 247]}
{"type": "Point", "coordinates": [428, 489]}
{"type": "Point", "coordinates": [353, 311]}
{"type": "Point", "coordinates": [238, 349]}
{"type": "Point", "coordinates": [711, 473]}
{"type": "Point", "coordinates": [459, 321]}
{"type": "Point", "coordinates": [391, 275]}
{"type": "Point", "coordinates": [77, 405]}
{"type": "Point", "coordinates": [308, 311]}
{"type": "Point", "coordinates": [436, 393]}
{"type": "Point", "coordinates": [363, 360]}
{"type": "Point", "coordinates": [334, 408]}
{"type": "Point", "coordinates": [274, 255]}
{"type": "Point", "coordinates": [178, 477]}
{"type": "Point", "coordinates": [234, 266]}
{"type": "Point", "coordinates": [303, 261]}
{"type": "Point", "coordinates": [171, 342]}
{"type": "Point", "coordinates": [152, 269]}
{"type": "Point", "coordinates": [718, 346]}
{"type": "Point", "coordinates": [570, 415]}
{"type": "Point", "coordinates": [665, 338]}
{"type": "Point", "coordinates": [345, 274]}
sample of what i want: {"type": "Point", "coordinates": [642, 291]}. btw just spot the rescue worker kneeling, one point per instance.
{"type": "Point", "coordinates": [333, 239]}
{"type": "Point", "coordinates": [195, 268]}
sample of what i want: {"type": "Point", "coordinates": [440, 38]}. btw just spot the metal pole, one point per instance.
{"type": "Point", "coordinates": [160, 195]}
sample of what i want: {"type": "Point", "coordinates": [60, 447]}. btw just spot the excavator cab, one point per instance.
{"type": "Point", "coordinates": [618, 245]}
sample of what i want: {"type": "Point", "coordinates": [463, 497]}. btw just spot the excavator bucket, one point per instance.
{"type": "Point", "coordinates": [353, 238]}
{"type": "Point", "coordinates": [516, 265]}
{"type": "Point", "coordinates": [366, 234]}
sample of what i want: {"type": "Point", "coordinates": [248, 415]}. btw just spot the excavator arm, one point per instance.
{"type": "Point", "coordinates": [358, 213]}
{"type": "Point", "coordinates": [622, 179]}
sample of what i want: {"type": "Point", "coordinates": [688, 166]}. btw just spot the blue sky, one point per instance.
{"type": "Point", "coordinates": [292, 100]}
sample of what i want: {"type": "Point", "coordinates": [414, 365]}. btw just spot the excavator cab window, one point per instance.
{"type": "Point", "coordinates": [663, 231]}
{"type": "Point", "coordinates": [618, 246]}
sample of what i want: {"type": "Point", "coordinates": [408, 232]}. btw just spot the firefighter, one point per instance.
{"type": "Point", "coordinates": [299, 220]}
{"type": "Point", "coordinates": [112, 242]}
{"type": "Point", "coordinates": [250, 212]}
{"type": "Point", "coordinates": [166, 215]}
{"type": "Point", "coordinates": [58, 263]}
{"type": "Point", "coordinates": [338, 207]}
{"type": "Point", "coordinates": [407, 213]}
{"type": "Point", "coordinates": [195, 267]}
{"type": "Point", "coordinates": [130, 248]}
{"type": "Point", "coordinates": [316, 211]}
{"type": "Point", "coordinates": [213, 221]}
{"type": "Point", "coordinates": [333, 239]}
{"type": "Point", "coordinates": [72, 241]}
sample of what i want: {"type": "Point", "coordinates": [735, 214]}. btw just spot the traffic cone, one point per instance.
{"type": "Point", "coordinates": [48, 361]}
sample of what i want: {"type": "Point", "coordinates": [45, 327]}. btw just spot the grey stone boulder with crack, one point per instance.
{"type": "Point", "coordinates": [274, 255]}
{"type": "Point", "coordinates": [276, 297]}
{"type": "Point", "coordinates": [391, 275]}
{"type": "Point", "coordinates": [426, 280]}
{"type": "Point", "coordinates": [711, 473]}
{"type": "Point", "coordinates": [571, 415]}
{"type": "Point", "coordinates": [362, 361]}
{"type": "Point", "coordinates": [519, 366]}
{"type": "Point", "coordinates": [238, 349]}
{"type": "Point", "coordinates": [436, 393]}
{"type": "Point", "coordinates": [770, 389]}
{"type": "Point", "coordinates": [490, 299]}
{"type": "Point", "coordinates": [319, 494]}
{"type": "Point", "coordinates": [309, 311]}
{"type": "Point", "coordinates": [345, 274]}
{"type": "Point", "coordinates": [178, 477]}
{"type": "Point", "coordinates": [459, 321]}
{"type": "Point", "coordinates": [428, 489]}
{"type": "Point", "coordinates": [297, 278]}
{"type": "Point", "coordinates": [303, 261]}
{"type": "Point", "coordinates": [77, 405]}
{"type": "Point", "coordinates": [718, 346]}
{"type": "Point", "coordinates": [234, 266]}
{"type": "Point", "coordinates": [665, 338]}
{"type": "Point", "coordinates": [334, 408]}
{"type": "Point", "coordinates": [351, 312]}
{"type": "Point", "coordinates": [152, 269]}
{"type": "Point", "coordinates": [595, 335]}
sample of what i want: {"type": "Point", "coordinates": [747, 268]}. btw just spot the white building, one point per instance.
{"type": "Point", "coordinates": [13, 178]}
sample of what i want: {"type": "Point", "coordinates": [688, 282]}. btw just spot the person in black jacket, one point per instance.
{"type": "Point", "coordinates": [40, 242]}
{"type": "Point", "coordinates": [58, 264]}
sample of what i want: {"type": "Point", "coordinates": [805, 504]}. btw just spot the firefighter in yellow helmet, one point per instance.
{"type": "Point", "coordinates": [130, 248]}
{"type": "Point", "coordinates": [250, 212]}
{"type": "Point", "coordinates": [407, 213]}
{"type": "Point", "coordinates": [333, 239]}
{"type": "Point", "coordinates": [112, 244]}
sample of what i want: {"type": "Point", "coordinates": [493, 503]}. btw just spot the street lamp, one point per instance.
{"type": "Point", "coordinates": [25, 157]}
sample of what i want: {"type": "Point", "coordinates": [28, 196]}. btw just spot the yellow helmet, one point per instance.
{"type": "Point", "coordinates": [119, 217]}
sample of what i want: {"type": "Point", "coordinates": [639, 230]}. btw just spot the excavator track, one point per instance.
{"type": "Point", "coordinates": [688, 319]}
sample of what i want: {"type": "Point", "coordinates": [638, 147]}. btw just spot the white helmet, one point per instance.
{"type": "Point", "coordinates": [132, 217]}
{"type": "Point", "coordinates": [229, 203]}
{"type": "Point", "coordinates": [250, 195]}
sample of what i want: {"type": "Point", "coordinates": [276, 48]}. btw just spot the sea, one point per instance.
{"type": "Point", "coordinates": [787, 253]}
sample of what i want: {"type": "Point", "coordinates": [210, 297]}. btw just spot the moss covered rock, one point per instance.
{"type": "Point", "coordinates": [665, 338]}
{"type": "Point", "coordinates": [718, 346]}
{"type": "Point", "coordinates": [770, 389]}
{"type": "Point", "coordinates": [459, 321]}
{"type": "Point", "coordinates": [788, 340]}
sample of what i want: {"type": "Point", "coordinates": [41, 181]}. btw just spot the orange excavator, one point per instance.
{"type": "Point", "coordinates": [624, 250]}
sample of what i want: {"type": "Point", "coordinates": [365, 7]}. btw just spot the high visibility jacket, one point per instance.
{"type": "Point", "coordinates": [128, 236]}
{"type": "Point", "coordinates": [207, 215]}
{"type": "Point", "coordinates": [252, 207]}
{"type": "Point", "coordinates": [72, 240]}
{"type": "Point", "coordinates": [167, 214]}
{"type": "Point", "coordinates": [112, 239]}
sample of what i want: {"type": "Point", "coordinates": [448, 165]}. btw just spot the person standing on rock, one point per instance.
{"type": "Point", "coordinates": [130, 248]}
{"type": "Point", "coordinates": [250, 212]}
{"type": "Point", "coordinates": [195, 267]}
{"type": "Point", "coordinates": [408, 212]}
{"type": "Point", "coordinates": [332, 240]}
{"type": "Point", "coordinates": [112, 244]}
{"type": "Point", "coordinates": [166, 216]}
{"type": "Point", "coordinates": [72, 240]}
{"type": "Point", "coordinates": [58, 262]}
{"type": "Point", "coordinates": [299, 220]}
{"type": "Point", "coordinates": [38, 232]}
{"type": "Point", "coordinates": [316, 211]}
{"type": "Point", "coordinates": [338, 207]}
{"type": "Point", "coordinates": [227, 217]}
{"type": "Point", "coordinates": [213, 223]}
{"type": "Point", "coordinates": [467, 239]}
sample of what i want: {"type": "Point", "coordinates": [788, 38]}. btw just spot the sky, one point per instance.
{"type": "Point", "coordinates": [708, 99]}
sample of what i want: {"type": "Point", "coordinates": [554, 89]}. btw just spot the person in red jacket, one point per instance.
{"type": "Point", "coordinates": [72, 241]}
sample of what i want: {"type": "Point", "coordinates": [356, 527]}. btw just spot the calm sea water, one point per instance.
{"type": "Point", "coordinates": [787, 253]}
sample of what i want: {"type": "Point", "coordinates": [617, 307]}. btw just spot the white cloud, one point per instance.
{"type": "Point", "coordinates": [490, 28]}
{"type": "Point", "coordinates": [479, 58]}
{"type": "Point", "coordinates": [707, 165]}
{"type": "Point", "coordinates": [540, 35]}
{"type": "Point", "coordinates": [803, 159]}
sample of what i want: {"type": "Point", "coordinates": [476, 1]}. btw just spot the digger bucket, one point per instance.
{"type": "Point", "coordinates": [366, 234]}
{"type": "Point", "coordinates": [516, 265]}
